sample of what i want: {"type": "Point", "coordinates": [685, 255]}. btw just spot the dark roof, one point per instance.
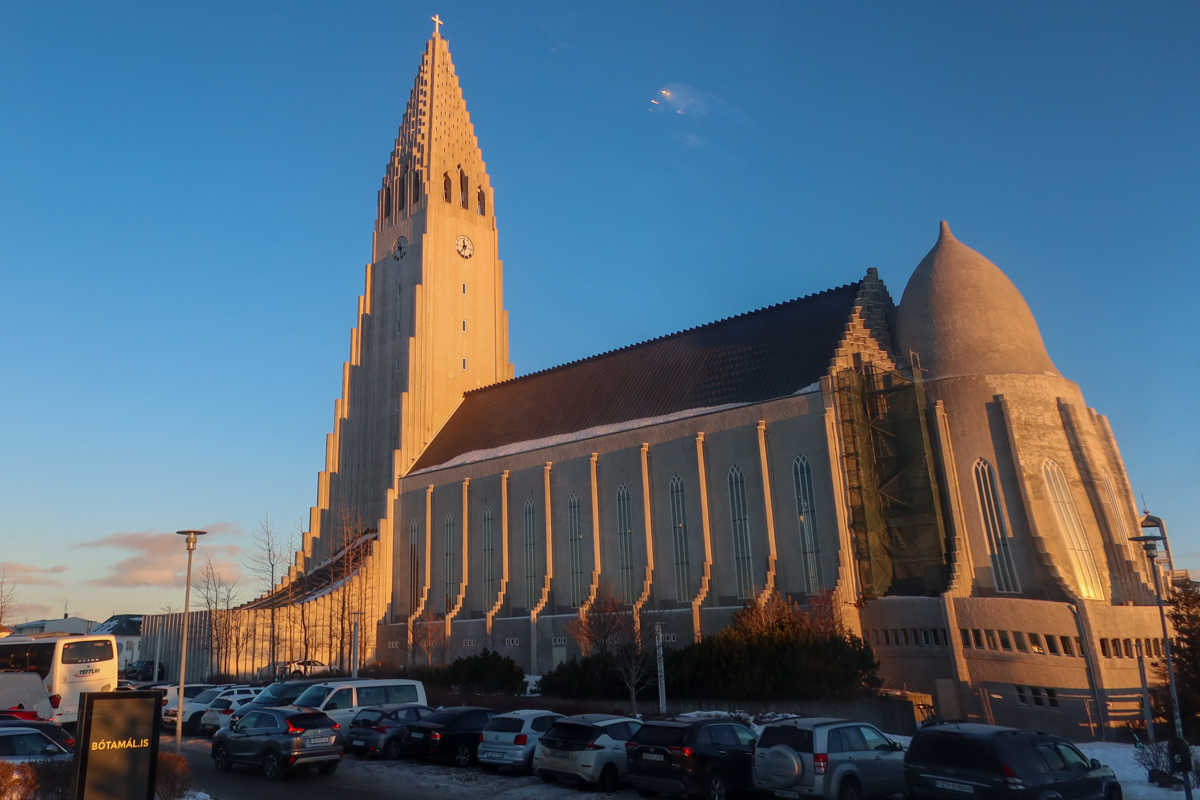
{"type": "Point", "coordinates": [764, 354]}
{"type": "Point", "coordinates": [121, 625]}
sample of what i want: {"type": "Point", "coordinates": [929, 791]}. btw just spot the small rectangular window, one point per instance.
{"type": "Point", "coordinates": [887, 637]}
{"type": "Point", "coordinates": [905, 632]}
{"type": "Point", "coordinates": [896, 637]}
{"type": "Point", "coordinates": [1037, 696]}
{"type": "Point", "coordinates": [464, 324]}
{"type": "Point", "coordinates": [916, 639]}
{"type": "Point", "coordinates": [1079, 646]}
{"type": "Point", "coordinates": [943, 637]}
{"type": "Point", "coordinates": [966, 637]}
{"type": "Point", "coordinates": [926, 639]}
{"type": "Point", "coordinates": [395, 404]}
{"type": "Point", "coordinates": [874, 636]}
{"type": "Point", "coordinates": [399, 364]}
{"type": "Point", "coordinates": [990, 635]}
{"type": "Point", "coordinates": [1116, 648]}
{"type": "Point", "coordinates": [1067, 649]}
{"type": "Point", "coordinates": [1104, 651]}
{"type": "Point", "coordinates": [1158, 649]}
{"type": "Point", "coordinates": [1035, 644]}
{"type": "Point", "coordinates": [1052, 645]}
{"type": "Point", "coordinates": [1052, 698]}
{"type": "Point", "coordinates": [400, 289]}
{"type": "Point", "coordinates": [1021, 695]}
{"type": "Point", "coordinates": [1005, 643]}
{"type": "Point", "coordinates": [464, 288]}
{"type": "Point", "coordinates": [977, 635]}
{"type": "Point", "coordinates": [464, 363]}
{"type": "Point", "coordinates": [1019, 638]}
{"type": "Point", "coordinates": [399, 326]}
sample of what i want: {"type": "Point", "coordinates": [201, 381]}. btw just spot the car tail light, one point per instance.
{"type": "Point", "coordinates": [820, 763]}
{"type": "Point", "coordinates": [686, 752]}
{"type": "Point", "coordinates": [435, 736]}
{"type": "Point", "coordinates": [1008, 771]}
{"type": "Point", "coordinates": [70, 742]}
{"type": "Point", "coordinates": [55, 699]}
{"type": "Point", "coordinates": [631, 745]}
{"type": "Point", "coordinates": [520, 738]}
{"type": "Point", "coordinates": [380, 729]}
{"type": "Point", "coordinates": [226, 711]}
{"type": "Point", "coordinates": [593, 746]}
{"type": "Point", "coordinates": [336, 726]}
{"type": "Point", "coordinates": [293, 729]}
{"type": "Point", "coordinates": [1012, 778]}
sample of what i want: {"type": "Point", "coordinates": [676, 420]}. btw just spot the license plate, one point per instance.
{"type": "Point", "coordinates": [358, 742]}
{"type": "Point", "coordinates": [491, 755]}
{"type": "Point", "coordinates": [651, 757]}
{"type": "Point", "coordinates": [317, 741]}
{"type": "Point", "coordinates": [418, 735]}
{"type": "Point", "coordinates": [555, 753]}
{"type": "Point", "coordinates": [786, 793]}
{"type": "Point", "coordinates": [954, 786]}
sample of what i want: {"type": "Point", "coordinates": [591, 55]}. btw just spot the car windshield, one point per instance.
{"type": "Point", "coordinates": [570, 732]}
{"type": "Point", "coordinates": [313, 696]}
{"type": "Point", "coordinates": [660, 735]}
{"type": "Point", "coordinates": [505, 725]}
{"type": "Point", "coordinates": [207, 696]}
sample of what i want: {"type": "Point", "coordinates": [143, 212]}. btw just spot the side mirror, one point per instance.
{"type": "Point", "coordinates": [899, 748]}
{"type": "Point", "coordinates": [51, 750]}
{"type": "Point", "coordinates": [1096, 763]}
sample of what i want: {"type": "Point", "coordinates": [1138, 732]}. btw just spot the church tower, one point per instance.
{"type": "Point", "coordinates": [432, 324]}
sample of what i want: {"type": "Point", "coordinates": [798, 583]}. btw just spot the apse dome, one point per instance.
{"type": "Point", "coordinates": [962, 316]}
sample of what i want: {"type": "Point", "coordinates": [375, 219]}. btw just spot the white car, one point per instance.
{"type": "Point", "coordinates": [509, 740]}
{"type": "Point", "coordinates": [586, 748]}
{"type": "Point", "coordinates": [193, 708]}
{"type": "Point", "coordinates": [26, 744]}
{"type": "Point", "coordinates": [220, 711]}
{"type": "Point", "coordinates": [295, 669]}
{"type": "Point", "coordinates": [171, 695]}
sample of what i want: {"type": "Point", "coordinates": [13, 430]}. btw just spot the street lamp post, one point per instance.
{"type": "Point", "coordinates": [1150, 546]}
{"type": "Point", "coordinates": [187, 599]}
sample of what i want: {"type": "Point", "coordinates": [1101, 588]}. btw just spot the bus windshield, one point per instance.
{"type": "Point", "coordinates": [27, 657]}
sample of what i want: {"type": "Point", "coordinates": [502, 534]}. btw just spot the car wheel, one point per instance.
{"type": "Point", "coordinates": [221, 759]}
{"type": "Point", "coordinates": [297, 674]}
{"type": "Point", "coordinates": [609, 778]}
{"type": "Point", "coordinates": [273, 769]}
{"type": "Point", "coordinates": [327, 768]}
{"type": "Point", "coordinates": [463, 754]}
{"type": "Point", "coordinates": [391, 750]}
{"type": "Point", "coordinates": [850, 790]}
{"type": "Point", "coordinates": [717, 790]}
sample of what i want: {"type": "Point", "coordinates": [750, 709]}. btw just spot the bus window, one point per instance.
{"type": "Point", "coordinates": [27, 657]}
{"type": "Point", "coordinates": [86, 652]}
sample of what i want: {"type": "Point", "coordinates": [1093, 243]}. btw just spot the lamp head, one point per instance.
{"type": "Point", "coordinates": [191, 537]}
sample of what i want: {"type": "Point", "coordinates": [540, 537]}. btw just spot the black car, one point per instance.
{"type": "Point", "coordinates": [982, 762]}
{"type": "Point", "coordinates": [378, 730]}
{"type": "Point", "coordinates": [451, 734]}
{"type": "Point", "coordinates": [276, 695]}
{"type": "Point", "coordinates": [277, 740]}
{"type": "Point", "coordinates": [705, 757]}
{"type": "Point", "coordinates": [144, 671]}
{"type": "Point", "coordinates": [55, 732]}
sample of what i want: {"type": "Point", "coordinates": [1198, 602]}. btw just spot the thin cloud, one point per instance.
{"type": "Point", "coordinates": [30, 575]}
{"type": "Point", "coordinates": [159, 558]}
{"type": "Point", "coordinates": [28, 611]}
{"type": "Point", "coordinates": [681, 100]}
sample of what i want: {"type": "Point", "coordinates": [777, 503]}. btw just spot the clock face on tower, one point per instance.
{"type": "Point", "coordinates": [464, 247]}
{"type": "Point", "coordinates": [399, 247]}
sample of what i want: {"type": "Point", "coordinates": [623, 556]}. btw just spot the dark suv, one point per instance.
{"type": "Point", "coordinates": [984, 761]}
{"type": "Point", "coordinates": [451, 734]}
{"type": "Point", "coordinates": [278, 739]}
{"type": "Point", "coordinates": [707, 757]}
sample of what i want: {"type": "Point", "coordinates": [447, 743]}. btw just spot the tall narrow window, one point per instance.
{"type": "Point", "coordinates": [447, 187]}
{"type": "Point", "coordinates": [400, 194]}
{"type": "Point", "coordinates": [1071, 527]}
{"type": "Point", "coordinates": [414, 565]}
{"type": "Point", "coordinates": [683, 567]}
{"type": "Point", "coordinates": [739, 516]}
{"type": "Point", "coordinates": [810, 542]}
{"type": "Point", "coordinates": [489, 570]}
{"type": "Point", "coordinates": [1003, 571]}
{"type": "Point", "coordinates": [625, 542]}
{"type": "Point", "coordinates": [463, 189]}
{"type": "Point", "coordinates": [1118, 514]}
{"type": "Point", "coordinates": [579, 584]}
{"type": "Point", "coordinates": [416, 197]}
{"type": "Point", "coordinates": [451, 584]}
{"type": "Point", "coordinates": [531, 571]}
{"type": "Point", "coordinates": [481, 202]}
{"type": "Point", "coordinates": [387, 199]}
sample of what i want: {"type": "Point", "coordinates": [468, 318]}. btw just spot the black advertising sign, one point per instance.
{"type": "Point", "coordinates": [116, 750]}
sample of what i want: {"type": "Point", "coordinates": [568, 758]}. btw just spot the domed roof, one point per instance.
{"type": "Point", "coordinates": [963, 316]}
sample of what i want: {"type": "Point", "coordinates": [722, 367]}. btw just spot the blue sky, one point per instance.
{"type": "Point", "coordinates": [187, 194]}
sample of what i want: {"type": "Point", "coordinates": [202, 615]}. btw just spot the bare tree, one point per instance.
{"type": "Point", "coordinates": [268, 562]}
{"type": "Point", "coordinates": [8, 598]}
{"type": "Point", "coordinates": [218, 595]}
{"type": "Point", "coordinates": [602, 626]}
{"type": "Point", "coordinates": [429, 634]}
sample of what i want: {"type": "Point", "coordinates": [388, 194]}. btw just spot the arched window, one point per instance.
{"type": "Point", "coordinates": [740, 519]}
{"type": "Point", "coordinates": [447, 187]}
{"type": "Point", "coordinates": [414, 565]}
{"type": "Point", "coordinates": [481, 202]}
{"type": "Point", "coordinates": [625, 543]}
{"type": "Point", "coordinates": [532, 589]}
{"type": "Point", "coordinates": [489, 570]}
{"type": "Point", "coordinates": [993, 524]}
{"type": "Point", "coordinates": [683, 567]}
{"type": "Point", "coordinates": [451, 584]}
{"type": "Point", "coordinates": [1118, 515]}
{"type": "Point", "coordinates": [463, 189]}
{"type": "Point", "coordinates": [416, 197]}
{"type": "Point", "coordinates": [1071, 527]}
{"type": "Point", "coordinates": [579, 583]}
{"type": "Point", "coordinates": [806, 515]}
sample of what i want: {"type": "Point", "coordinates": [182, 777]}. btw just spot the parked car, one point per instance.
{"type": "Point", "coordinates": [227, 700]}
{"type": "Point", "coordinates": [26, 744]}
{"type": "Point", "coordinates": [830, 758]}
{"type": "Point", "coordinates": [193, 709]}
{"type": "Point", "coordinates": [342, 700]}
{"type": "Point", "coordinates": [22, 694]}
{"type": "Point", "coordinates": [278, 740]}
{"type": "Point", "coordinates": [587, 748]}
{"type": "Point", "coordinates": [509, 739]}
{"type": "Point", "coordinates": [145, 671]}
{"type": "Point", "coordinates": [55, 731]}
{"type": "Point", "coordinates": [707, 758]}
{"type": "Point", "coordinates": [378, 730]}
{"type": "Point", "coordinates": [451, 734]}
{"type": "Point", "coordinates": [984, 761]}
{"type": "Point", "coordinates": [275, 696]}
{"type": "Point", "coordinates": [171, 694]}
{"type": "Point", "coordinates": [296, 669]}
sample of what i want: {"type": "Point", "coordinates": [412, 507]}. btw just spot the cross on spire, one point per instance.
{"type": "Point", "coordinates": [437, 24]}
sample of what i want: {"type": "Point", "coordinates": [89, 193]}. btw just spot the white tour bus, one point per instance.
{"type": "Point", "coordinates": [68, 663]}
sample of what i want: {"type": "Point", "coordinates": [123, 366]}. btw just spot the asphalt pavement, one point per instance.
{"type": "Point", "coordinates": [246, 783]}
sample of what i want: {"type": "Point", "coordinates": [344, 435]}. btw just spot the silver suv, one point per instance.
{"type": "Point", "coordinates": [829, 758]}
